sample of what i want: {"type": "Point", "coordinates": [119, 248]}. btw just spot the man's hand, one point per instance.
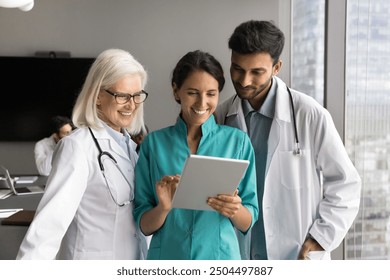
{"type": "Point", "coordinates": [309, 245]}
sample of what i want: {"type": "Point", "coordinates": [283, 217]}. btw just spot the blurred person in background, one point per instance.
{"type": "Point", "coordinates": [60, 126]}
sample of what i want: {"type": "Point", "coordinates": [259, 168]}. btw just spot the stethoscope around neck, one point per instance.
{"type": "Point", "coordinates": [111, 157]}
{"type": "Point", "coordinates": [297, 149]}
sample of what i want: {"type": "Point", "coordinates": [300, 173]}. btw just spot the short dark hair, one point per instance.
{"type": "Point", "coordinates": [197, 60]}
{"type": "Point", "coordinates": [255, 36]}
{"type": "Point", "coordinates": [57, 122]}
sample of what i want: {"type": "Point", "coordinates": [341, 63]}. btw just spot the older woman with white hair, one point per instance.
{"type": "Point", "coordinates": [86, 210]}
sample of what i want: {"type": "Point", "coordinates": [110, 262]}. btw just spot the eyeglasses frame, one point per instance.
{"type": "Point", "coordinates": [127, 94]}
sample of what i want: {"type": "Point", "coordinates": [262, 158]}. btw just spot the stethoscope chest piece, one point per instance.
{"type": "Point", "coordinates": [297, 152]}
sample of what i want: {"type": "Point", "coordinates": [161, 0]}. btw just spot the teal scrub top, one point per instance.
{"type": "Point", "coordinates": [192, 234]}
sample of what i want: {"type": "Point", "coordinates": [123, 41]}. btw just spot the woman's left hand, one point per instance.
{"type": "Point", "coordinates": [227, 205]}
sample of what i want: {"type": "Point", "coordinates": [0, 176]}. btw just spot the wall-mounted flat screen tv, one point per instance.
{"type": "Point", "coordinates": [33, 90]}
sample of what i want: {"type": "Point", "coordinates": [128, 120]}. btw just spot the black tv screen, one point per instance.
{"type": "Point", "coordinates": [33, 90]}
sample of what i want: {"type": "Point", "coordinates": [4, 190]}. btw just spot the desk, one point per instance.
{"type": "Point", "coordinates": [12, 236]}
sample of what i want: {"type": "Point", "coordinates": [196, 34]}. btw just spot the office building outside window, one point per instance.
{"type": "Point", "coordinates": [368, 124]}
{"type": "Point", "coordinates": [308, 37]}
{"type": "Point", "coordinates": [367, 118]}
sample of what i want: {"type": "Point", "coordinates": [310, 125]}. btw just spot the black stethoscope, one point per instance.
{"type": "Point", "coordinates": [297, 151]}
{"type": "Point", "coordinates": [111, 157]}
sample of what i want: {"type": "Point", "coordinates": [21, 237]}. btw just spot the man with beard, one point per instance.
{"type": "Point", "coordinates": [308, 189]}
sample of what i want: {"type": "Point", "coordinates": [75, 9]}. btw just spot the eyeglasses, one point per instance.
{"type": "Point", "coordinates": [122, 98]}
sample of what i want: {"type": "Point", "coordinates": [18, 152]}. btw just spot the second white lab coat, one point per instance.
{"type": "Point", "coordinates": [77, 218]}
{"type": "Point", "coordinates": [317, 193]}
{"type": "Point", "coordinates": [43, 153]}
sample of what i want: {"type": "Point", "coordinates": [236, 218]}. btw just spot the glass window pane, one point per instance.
{"type": "Point", "coordinates": [368, 124]}
{"type": "Point", "coordinates": [307, 74]}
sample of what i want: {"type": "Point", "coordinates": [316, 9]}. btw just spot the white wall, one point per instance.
{"type": "Point", "coordinates": [156, 32]}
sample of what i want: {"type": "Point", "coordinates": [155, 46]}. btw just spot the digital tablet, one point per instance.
{"type": "Point", "coordinates": [203, 177]}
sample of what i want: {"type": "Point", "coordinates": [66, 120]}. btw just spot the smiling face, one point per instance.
{"type": "Point", "coordinates": [252, 75]}
{"type": "Point", "coordinates": [198, 97]}
{"type": "Point", "coordinates": [116, 115]}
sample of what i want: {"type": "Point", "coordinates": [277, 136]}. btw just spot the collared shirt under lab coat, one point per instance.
{"type": "Point", "coordinates": [260, 120]}
{"type": "Point", "coordinates": [77, 218]}
{"type": "Point", "coordinates": [43, 152]}
{"type": "Point", "coordinates": [296, 201]}
{"type": "Point", "coordinates": [192, 234]}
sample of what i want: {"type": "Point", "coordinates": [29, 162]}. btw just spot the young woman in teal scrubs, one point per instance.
{"type": "Point", "coordinates": [193, 234]}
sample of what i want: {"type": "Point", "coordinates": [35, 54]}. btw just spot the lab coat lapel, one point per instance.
{"type": "Point", "coordinates": [107, 143]}
{"type": "Point", "coordinates": [282, 103]}
{"type": "Point", "coordinates": [281, 118]}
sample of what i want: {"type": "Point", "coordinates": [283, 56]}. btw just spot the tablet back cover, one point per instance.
{"type": "Point", "coordinates": [205, 177]}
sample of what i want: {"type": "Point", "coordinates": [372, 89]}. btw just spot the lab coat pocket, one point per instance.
{"type": "Point", "coordinates": [318, 255]}
{"type": "Point", "coordinates": [293, 170]}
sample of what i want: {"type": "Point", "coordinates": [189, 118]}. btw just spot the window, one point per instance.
{"type": "Point", "coordinates": [367, 107]}
{"type": "Point", "coordinates": [368, 124]}
{"type": "Point", "coordinates": [308, 37]}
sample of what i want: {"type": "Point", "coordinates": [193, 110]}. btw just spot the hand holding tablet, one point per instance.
{"type": "Point", "coordinates": [204, 177]}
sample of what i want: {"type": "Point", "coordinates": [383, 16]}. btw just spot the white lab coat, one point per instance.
{"type": "Point", "coordinates": [77, 218]}
{"type": "Point", "coordinates": [317, 193]}
{"type": "Point", "coordinates": [43, 152]}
